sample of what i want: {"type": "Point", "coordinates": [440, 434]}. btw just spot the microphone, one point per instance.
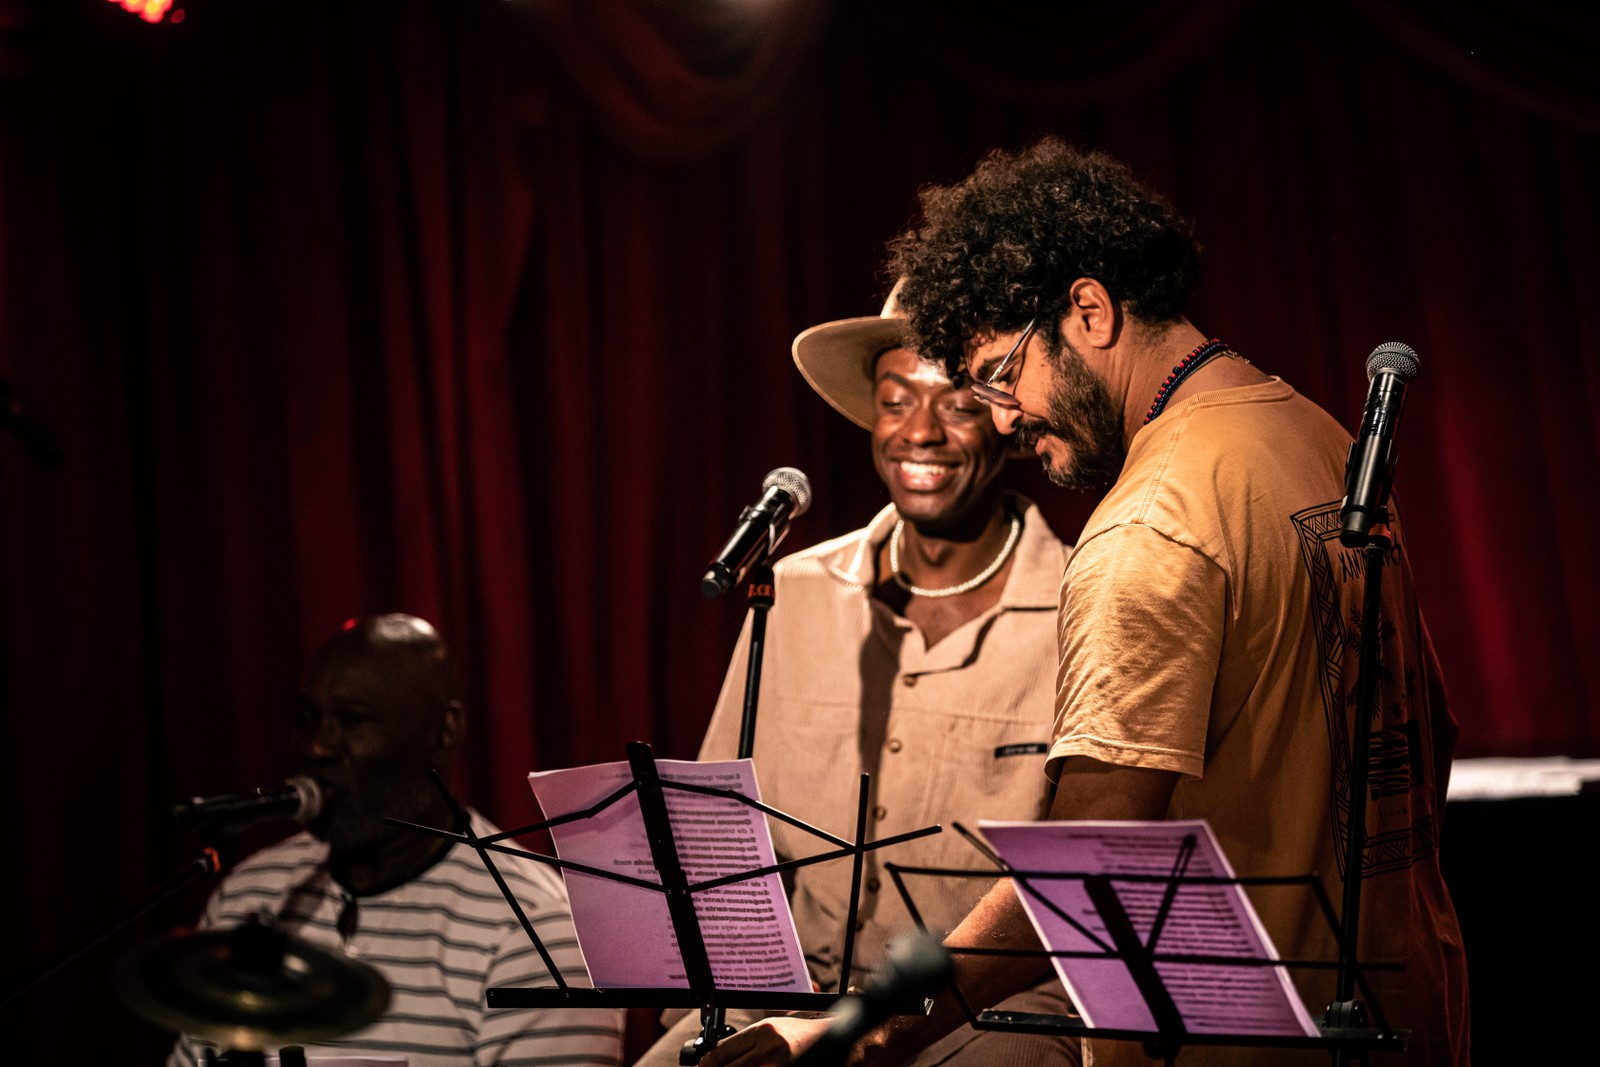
{"type": "Point", "coordinates": [1369, 469]}
{"type": "Point", "coordinates": [916, 967]}
{"type": "Point", "coordinates": [299, 799]}
{"type": "Point", "coordinates": [761, 527]}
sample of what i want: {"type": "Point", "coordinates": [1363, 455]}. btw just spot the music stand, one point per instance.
{"type": "Point", "coordinates": [702, 991]}
{"type": "Point", "coordinates": [1141, 956]}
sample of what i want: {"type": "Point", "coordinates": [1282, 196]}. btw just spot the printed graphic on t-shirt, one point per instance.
{"type": "Point", "coordinates": [1401, 820]}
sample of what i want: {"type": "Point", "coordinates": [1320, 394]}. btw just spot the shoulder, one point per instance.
{"type": "Point", "coordinates": [815, 560]}
{"type": "Point", "coordinates": [282, 861]}
{"type": "Point", "coordinates": [846, 560]}
{"type": "Point", "coordinates": [1270, 421]}
{"type": "Point", "coordinates": [1216, 458]}
{"type": "Point", "coordinates": [462, 874]}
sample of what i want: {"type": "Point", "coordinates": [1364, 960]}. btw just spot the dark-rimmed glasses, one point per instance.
{"type": "Point", "coordinates": [991, 394]}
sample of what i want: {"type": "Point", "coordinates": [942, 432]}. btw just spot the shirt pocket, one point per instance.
{"type": "Point", "coordinates": [990, 769]}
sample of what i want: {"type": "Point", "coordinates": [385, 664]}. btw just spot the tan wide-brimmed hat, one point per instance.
{"type": "Point", "coordinates": [836, 358]}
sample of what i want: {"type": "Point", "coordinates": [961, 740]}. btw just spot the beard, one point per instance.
{"type": "Point", "coordinates": [353, 818]}
{"type": "Point", "coordinates": [1080, 414]}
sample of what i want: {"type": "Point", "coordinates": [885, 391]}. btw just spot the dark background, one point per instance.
{"type": "Point", "coordinates": [481, 310]}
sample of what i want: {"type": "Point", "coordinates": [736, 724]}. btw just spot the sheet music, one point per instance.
{"type": "Point", "coordinates": [626, 931]}
{"type": "Point", "coordinates": [1212, 920]}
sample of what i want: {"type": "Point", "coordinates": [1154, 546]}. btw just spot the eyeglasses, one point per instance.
{"type": "Point", "coordinates": [992, 394]}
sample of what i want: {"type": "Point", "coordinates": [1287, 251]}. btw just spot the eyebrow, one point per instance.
{"type": "Point", "coordinates": [982, 371]}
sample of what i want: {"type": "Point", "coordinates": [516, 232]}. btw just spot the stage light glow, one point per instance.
{"type": "Point", "coordinates": [149, 10]}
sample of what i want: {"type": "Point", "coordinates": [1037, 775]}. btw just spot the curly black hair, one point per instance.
{"type": "Point", "coordinates": [1005, 244]}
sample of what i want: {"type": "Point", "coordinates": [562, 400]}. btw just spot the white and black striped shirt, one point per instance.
{"type": "Point", "coordinates": [441, 940]}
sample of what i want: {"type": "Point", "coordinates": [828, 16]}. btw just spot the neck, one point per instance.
{"type": "Point", "coordinates": [1156, 359]}
{"type": "Point", "coordinates": [950, 554]}
{"type": "Point", "coordinates": [393, 859]}
{"type": "Point", "coordinates": [1155, 351]}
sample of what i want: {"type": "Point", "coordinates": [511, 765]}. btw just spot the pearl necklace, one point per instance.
{"type": "Point", "coordinates": [955, 590]}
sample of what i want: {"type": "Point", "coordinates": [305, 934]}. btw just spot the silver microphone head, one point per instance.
{"type": "Point", "coordinates": [1396, 357]}
{"type": "Point", "coordinates": [309, 793]}
{"type": "Point", "coordinates": [791, 481]}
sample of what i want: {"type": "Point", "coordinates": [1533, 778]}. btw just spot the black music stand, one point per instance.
{"type": "Point", "coordinates": [1141, 956]}
{"type": "Point", "coordinates": [702, 991]}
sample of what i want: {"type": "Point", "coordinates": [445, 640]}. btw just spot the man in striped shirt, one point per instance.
{"type": "Point", "coordinates": [378, 709]}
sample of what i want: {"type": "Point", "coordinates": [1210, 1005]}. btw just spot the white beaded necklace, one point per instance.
{"type": "Point", "coordinates": [955, 590]}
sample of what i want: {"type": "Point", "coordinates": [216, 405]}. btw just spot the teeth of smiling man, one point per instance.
{"type": "Point", "coordinates": [924, 470]}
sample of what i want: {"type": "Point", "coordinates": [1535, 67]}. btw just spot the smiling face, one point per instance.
{"type": "Point", "coordinates": [934, 446]}
{"type": "Point", "coordinates": [1066, 415]}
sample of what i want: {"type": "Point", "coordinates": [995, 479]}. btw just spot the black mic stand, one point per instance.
{"type": "Point", "coordinates": [761, 595]}
{"type": "Point", "coordinates": [702, 991]}
{"type": "Point", "coordinates": [1141, 953]}
{"type": "Point", "coordinates": [1347, 1011]}
{"type": "Point", "coordinates": [649, 788]}
{"type": "Point", "coordinates": [1356, 522]}
{"type": "Point", "coordinates": [202, 866]}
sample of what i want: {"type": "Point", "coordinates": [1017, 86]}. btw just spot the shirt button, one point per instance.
{"type": "Point", "coordinates": [873, 885]}
{"type": "Point", "coordinates": [895, 745]}
{"type": "Point", "coordinates": [909, 680]}
{"type": "Point", "coordinates": [879, 812]}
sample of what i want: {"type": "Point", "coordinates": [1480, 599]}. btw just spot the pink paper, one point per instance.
{"type": "Point", "coordinates": [1212, 920]}
{"type": "Point", "coordinates": [626, 931]}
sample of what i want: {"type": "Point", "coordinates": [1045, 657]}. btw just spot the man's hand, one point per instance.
{"type": "Point", "coordinates": [775, 1042]}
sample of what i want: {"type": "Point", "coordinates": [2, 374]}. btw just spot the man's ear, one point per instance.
{"type": "Point", "coordinates": [449, 729]}
{"type": "Point", "coordinates": [1094, 319]}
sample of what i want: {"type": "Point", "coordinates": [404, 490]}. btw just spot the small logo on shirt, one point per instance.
{"type": "Point", "coordinates": [1033, 748]}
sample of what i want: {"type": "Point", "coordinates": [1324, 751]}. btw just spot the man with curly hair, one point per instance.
{"type": "Point", "coordinates": [1207, 620]}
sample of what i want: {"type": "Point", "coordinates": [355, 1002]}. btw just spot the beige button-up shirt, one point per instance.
{"type": "Point", "coordinates": [955, 732]}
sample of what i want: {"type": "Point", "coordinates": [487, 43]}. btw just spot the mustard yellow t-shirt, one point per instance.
{"type": "Point", "coordinates": [1209, 625]}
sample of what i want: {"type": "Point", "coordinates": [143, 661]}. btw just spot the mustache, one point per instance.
{"type": "Point", "coordinates": [1029, 431]}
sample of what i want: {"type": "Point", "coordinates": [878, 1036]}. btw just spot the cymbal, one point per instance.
{"type": "Point", "coordinates": [251, 987]}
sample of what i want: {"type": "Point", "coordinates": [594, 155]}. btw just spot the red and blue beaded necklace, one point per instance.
{"type": "Point", "coordinates": [1189, 364]}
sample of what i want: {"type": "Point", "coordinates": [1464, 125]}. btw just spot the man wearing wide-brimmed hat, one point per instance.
{"type": "Point", "coordinates": [920, 649]}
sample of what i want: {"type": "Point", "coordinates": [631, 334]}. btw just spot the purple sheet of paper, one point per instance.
{"type": "Point", "coordinates": [626, 931]}
{"type": "Point", "coordinates": [1211, 920]}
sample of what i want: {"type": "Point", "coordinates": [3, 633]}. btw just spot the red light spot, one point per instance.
{"type": "Point", "coordinates": [149, 10]}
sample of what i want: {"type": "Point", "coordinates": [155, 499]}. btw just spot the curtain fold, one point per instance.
{"type": "Point", "coordinates": [482, 311]}
{"type": "Point", "coordinates": [672, 80]}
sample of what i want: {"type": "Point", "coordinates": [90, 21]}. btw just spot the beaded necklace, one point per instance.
{"type": "Point", "coordinates": [1190, 363]}
{"type": "Point", "coordinates": [953, 590]}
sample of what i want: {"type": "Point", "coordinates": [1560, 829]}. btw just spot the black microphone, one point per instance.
{"type": "Point", "coordinates": [761, 527]}
{"type": "Point", "coordinates": [299, 799]}
{"type": "Point", "coordinates": [916, 967]}
{"type": "Point", "coordinates": [1369, 469]}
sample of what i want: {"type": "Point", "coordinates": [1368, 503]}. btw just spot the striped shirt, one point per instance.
{"type": "Point", "coordinates": [440, 940]}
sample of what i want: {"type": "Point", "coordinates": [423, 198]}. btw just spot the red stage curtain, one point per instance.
{"type": "Point", "coordinates": [482, 311]}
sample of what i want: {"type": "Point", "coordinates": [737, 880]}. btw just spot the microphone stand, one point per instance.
{"type": "Point", "coordinates": [1346, 1010]}
{"type": "Point", "coordinates": [204, 865]}
{"type": "Point", "coordinates": [761, 595]}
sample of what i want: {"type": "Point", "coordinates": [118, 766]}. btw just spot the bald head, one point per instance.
{"type": "Point", "coordinates": [409, 649]}
{"type": "Point", "coordinates": [378, 710]}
